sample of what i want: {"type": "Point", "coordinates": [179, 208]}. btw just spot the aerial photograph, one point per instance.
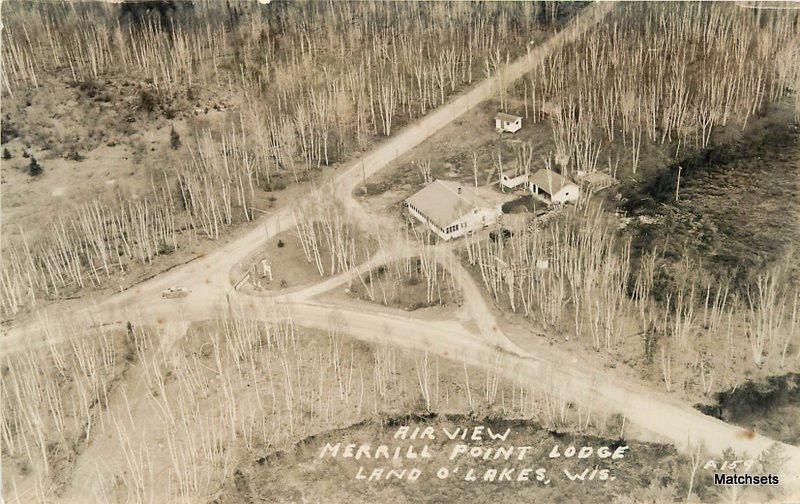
{"type": "Point", "coordinates": [386, 251]}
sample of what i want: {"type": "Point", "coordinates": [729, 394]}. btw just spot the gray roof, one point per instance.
{"type": "Point", "coordinates": [506, 117]}
{"type": "Point", "coordinates": [442, 204]}
{"type": "Point", "coordinates": [550, 181]}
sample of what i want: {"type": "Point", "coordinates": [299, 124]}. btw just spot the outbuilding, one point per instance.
{"type": "Point", "coordinates": [452, 209]}
{"type": "Point", "coordinates": [553, 187]}
{"type": "Point", "coordinates": [512, 180]}
{"type": "Point", "coordinates": [507, 122]}
{"type": "Point", "coordinates": [597, 181]}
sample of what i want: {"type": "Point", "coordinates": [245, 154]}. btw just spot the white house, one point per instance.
{"type": "Point", "coordinates": [507, 122]}
{"type": "Point", "coordinates": [452, 210]}
{"type": "Point", "coordinates": [553, 187]}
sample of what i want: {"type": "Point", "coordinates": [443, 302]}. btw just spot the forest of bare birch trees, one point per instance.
{"type": "Point", "coordinates": [238, 387]}
{"type": "Point", "coordinates": [318, 82]}
{"type": "Point", "coordinates": [665, 73]}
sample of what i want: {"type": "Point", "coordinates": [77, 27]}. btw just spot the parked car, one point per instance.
{"type": "Point", "coordinates": [175, 293]}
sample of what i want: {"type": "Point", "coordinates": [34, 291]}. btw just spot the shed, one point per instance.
{"type": "Point", "coordinates": [507, 122]}
{"type": "Point", "coordinates": [510, 181]}
{"type": "Point", "coordinates": [597, 181]}
{"type": "Point", "coordinates": [553, 187]}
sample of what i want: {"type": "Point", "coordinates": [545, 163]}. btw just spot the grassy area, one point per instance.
{"type": "Point", "coordinates": [289, 266]}
{"type": "Point", "coordinates": [324, 243]}
{"type": "Point", "coordinates": [464, 150]}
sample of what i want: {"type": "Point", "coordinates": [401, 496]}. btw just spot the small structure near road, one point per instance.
{"type": "Point", "coordinates": [553, 187]}
{"type": "Point", "coordinates": [452, 209]}
{"type": "Point", "coordinates": [507, 122]}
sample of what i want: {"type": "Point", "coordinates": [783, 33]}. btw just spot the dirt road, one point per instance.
{"type": "Point", "coordinates": [209, 277]}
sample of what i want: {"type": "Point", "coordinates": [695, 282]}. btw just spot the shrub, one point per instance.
{"type": "Point", "coordinates": [73, 155]}
{"type": "Point", "coordinates": [8, 131]}
{"type": "Point", "coordinates": [6, 154]}
{"type": "Point", "coordinates": [148, 101]}
{"type": "Point", "coordinates": [165, 248]}
{"type": "Point", "coordinates": [174, 138]}
{"type": "Point", "coordinates": [138, 12]}
{"type": "Point", "coordinates": [280, 243]}
{"type": "Point", "coordinates": [34, 168]}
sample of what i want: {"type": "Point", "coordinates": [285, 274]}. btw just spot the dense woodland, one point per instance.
{"type": "Point", "coordinates": [668, 73]}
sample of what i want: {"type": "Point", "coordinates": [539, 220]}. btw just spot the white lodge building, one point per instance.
{"type": "Point", "coordinates": [452, 210]}
{"type": "Point", "coordinates": [553, 188]}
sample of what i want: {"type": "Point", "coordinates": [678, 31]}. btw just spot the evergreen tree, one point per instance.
{"type": "Point", "coordinates": [34, 168]}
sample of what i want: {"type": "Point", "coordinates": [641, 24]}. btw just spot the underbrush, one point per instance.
{"type": "Point", "coordinates": [735, 209]}
{"type": "Point", "coordinates": [410, 283]}
{"type": "Point", "coordinates": [576, 278]}
{"type": "Point", "coordinates": [770, 407]}
{"type": "Point", "coordinates": [54, 402]}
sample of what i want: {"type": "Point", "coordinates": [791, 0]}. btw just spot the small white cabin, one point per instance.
{"type": "Point", "coordinates": [553, 187]}
{"type": "Point", "coordinates": [507, 122]}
